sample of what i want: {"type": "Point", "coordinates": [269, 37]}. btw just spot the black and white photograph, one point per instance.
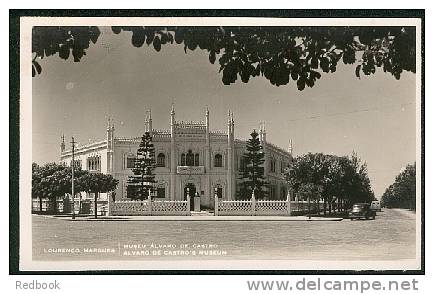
{"type": "Point", "coordinates": [220, 143]}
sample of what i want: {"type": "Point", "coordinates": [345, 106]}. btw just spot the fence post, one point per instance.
{"type": "Point", "coordinates": [216, 202]}
{"type": "Point", "coordinates": [109, 203]}
{"type": "Point", "coordinates": [149, 205]}
{"type": "Point", "coordinates": [288, 199]}
{"type": "Point", "coordinates": [188, 204]}
{"type": "Point", "coordinates": [253, 203]}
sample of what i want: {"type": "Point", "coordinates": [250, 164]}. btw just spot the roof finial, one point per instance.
{"type": "Point", "coordinates": [290, 146]}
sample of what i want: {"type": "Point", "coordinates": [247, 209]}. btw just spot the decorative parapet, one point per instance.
{"type": "Point", "coordinates": [84, 148]}
{"type": "Point", "coordinates": [190, 170]}
{"type": "Point", "coordinates": [218, 133]}
{"type": "Point", "coordinates": [277, 148]}
{"type": "Point", "coordinates": [190, 124]}
{"type": "Point", "coordinates": [135, 140]}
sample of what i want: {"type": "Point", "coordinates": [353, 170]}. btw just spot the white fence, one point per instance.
{"type": "Point", "coordinates": [83, 206]}
{"type": "Point", "coordinates": [150, 207]}
{"type": "Point", "coordinates": [264, 207]}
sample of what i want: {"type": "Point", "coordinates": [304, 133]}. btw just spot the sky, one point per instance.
{"type": "Point", "coordinates": [374, 116]}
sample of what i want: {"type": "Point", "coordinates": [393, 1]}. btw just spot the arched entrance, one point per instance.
{"type": "Point", "coordinates": [191, 191]}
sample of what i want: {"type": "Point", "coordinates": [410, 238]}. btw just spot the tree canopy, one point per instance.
{"type": "Point", "coordinates": [54, 180]}
{"type": "Point", "coordinates": [142, 183]}
{"type": "Point", "coordinates": [252, 173]}
{"type": "Point", "coordinates": [402, 193]}
{"type": "Point", "coordinates": [279, 54]}
{"type": "Point", "coordinates": [339, 179]}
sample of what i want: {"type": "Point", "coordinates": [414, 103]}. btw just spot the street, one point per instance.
{"type": "Point", "coordinates": [390, 237]}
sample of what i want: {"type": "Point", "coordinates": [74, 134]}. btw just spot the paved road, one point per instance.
{"type": "Point", "coordinates": [391, 236]}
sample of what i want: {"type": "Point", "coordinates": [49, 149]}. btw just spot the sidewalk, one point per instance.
{"type": "Point", "coordinates": [200, 218]}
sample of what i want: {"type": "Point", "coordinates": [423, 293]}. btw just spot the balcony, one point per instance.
{"type": "Point", "coordinates": [190, 170]}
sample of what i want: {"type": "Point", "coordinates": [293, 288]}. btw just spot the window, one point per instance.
{"type": "Point", "coordinates": [282, 167]}
{"type": "Point", "coordinates": [94, 163]}
{"type": "Point", "coordinates": [272, 165]}
{"type": "Point", "coordinates": [161, 192]}
{"type": "Point", "coordinates": [218, 160]}
{"type": "Point", "coordinates": [161, 160]}
{"type": "Point", "coordinates": [183, 159]}
{"type": "Point", "coordinates": [190, 158]}
{"type": "Point", "coordinates": [130, 162]}
{"type": "Point", "coordinates": [196, 159]}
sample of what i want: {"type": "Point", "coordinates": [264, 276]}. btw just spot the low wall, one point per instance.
{"type": "Point", "coordinates": [150, 207]}
{"type": "Point", "coordinates": [84, 206]}
{"type": "Point", "coordinates": [264, 207]}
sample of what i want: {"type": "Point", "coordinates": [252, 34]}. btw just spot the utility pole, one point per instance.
{"type": "Point", "coordinates": [72, 179]}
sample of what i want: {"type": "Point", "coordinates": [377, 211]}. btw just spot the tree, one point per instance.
{"type": "Point", "coordinates": [402, 193]}
{"type": "Point", "coordinates": [142, 182]}
{"type": "Point", "coordinates": [252, 175]}
{"type": "Point", "coordinates": [97, 183]}
{"type": "Point", "coordinates": [280, 54]}
{"type": "Point", "coordinates": [341, 178]}
{"type": "Point", "coordinates": [66, 41]}
{"type": "Point", "coordinates": [36, 184]}
{"type": "Point", "coordinates": [309, 192]}
{"type": "Point", "coordinates": [43, 185]}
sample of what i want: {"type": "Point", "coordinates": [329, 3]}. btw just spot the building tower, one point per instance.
{"type": "Point", "coordinates": [230, 161]}
{"type": "Point", "coordinates": [110, 145]}
{"type": "Point", "coordinates": [290, 147]}
{"type": "Point", "coordinates": [172, 154]}
{"type": "Point", "coordinates": [208, 158]}
{"type": "Point", "coordinates": [62, 143]}
{"type": "Point", "coordinates": [233, 158]}
{"type": "Point", "coordinates": [263, 140]}
{"type": "Point", "coordinates": [148, 121]}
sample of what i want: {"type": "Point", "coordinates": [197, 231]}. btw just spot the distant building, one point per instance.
{"type": "Point", "coordinates": [188, 155]}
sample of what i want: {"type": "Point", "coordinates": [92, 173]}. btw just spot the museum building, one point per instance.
{"type": "Point", "coordinates": [189, 157]}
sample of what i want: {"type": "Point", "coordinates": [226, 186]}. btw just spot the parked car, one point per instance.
{"type": "Point", "coordinates": [361, 210]}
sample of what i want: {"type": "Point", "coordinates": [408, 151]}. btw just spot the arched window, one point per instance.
{"type": "Point", "coordinates": [196, 159]}
{"type": "Point", "coordinates": [182, 159]}
{"type": "Point", "coordinates": [190, 158]}
{"type": "Point", "coordinates": [161, 160]}
{"type": "Point", "coordinates": [218, 160]}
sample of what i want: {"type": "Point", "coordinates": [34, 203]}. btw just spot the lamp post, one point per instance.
{"type": "Point", "coordinates": [72, 179]}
